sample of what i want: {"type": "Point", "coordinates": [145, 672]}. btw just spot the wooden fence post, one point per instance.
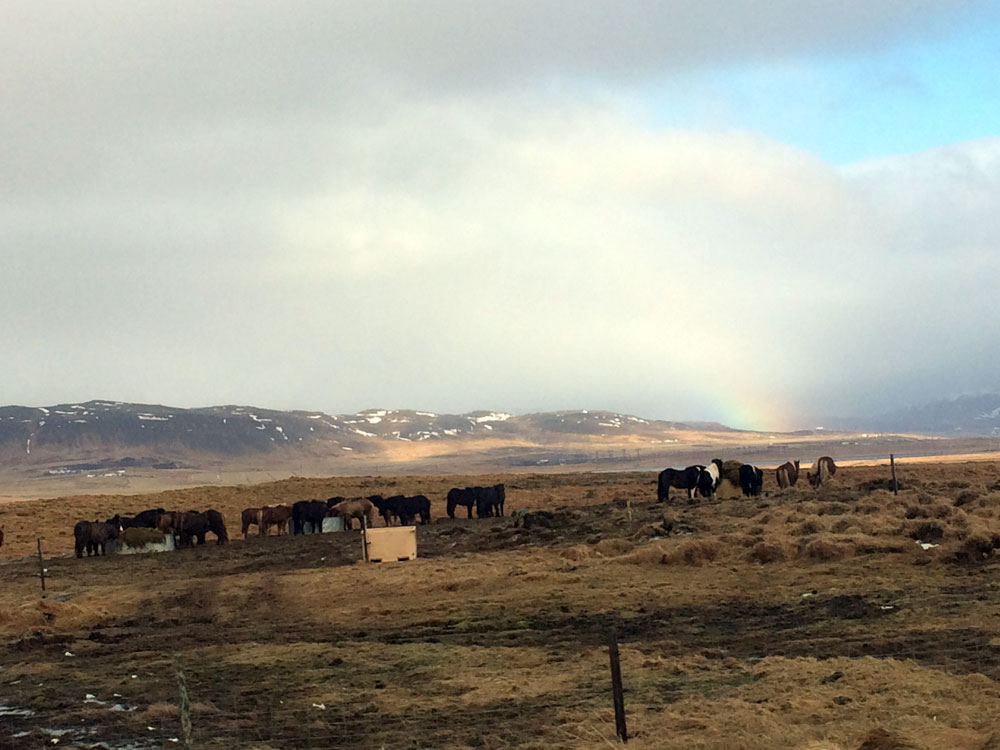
{"type": "Point", "coordinates": [185, 706]}
{"type": "Point", "coordinates": [364, 538]}
{"type": "Point", "coordinates": [617, 691]}
{"type": "Point", "coordinates": [895, 484]}
{"type": "Point", "coordinates": [41, 566]}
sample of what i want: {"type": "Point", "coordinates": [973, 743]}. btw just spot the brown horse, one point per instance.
{"type": "Point", "coordinates": [168, 522]}
{"type": "Point", "coordinates": [360, 508]}
{"type": "Point", "coordinates": [788, 474]}
{"type": "Point", "coordinates": [275, 515]}
{"type": "Point", "coordinates": [821, 471]}
{"type": "Point", "coordinates": [249, 517]}
{"type": "Point", "coordinates": [191, 525]}
{"type": "Point", "coordinates": [93, 536]}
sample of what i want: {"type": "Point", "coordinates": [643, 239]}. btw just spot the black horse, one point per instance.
{"type": "Point", "coordinates": [689, 479]}
{"type": "Point", "coordinates": [490, 500]}
{"type": "Point", "coordinates": [308, 511]}
{"type": "Point", "coordinates": [751, 480]}
{"type": "Point", "coordinates": [466, 497]}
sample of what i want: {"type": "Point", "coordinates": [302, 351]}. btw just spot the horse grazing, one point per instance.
{"type": "Point", "coordinates": [147, 519]}
{"type": "Point", "coordinates": [681, 479]}
{"type": "Point", "coordinates": [308, 511]}
{"type": "Point", "coordinates": [714, 470]}
{"type": "Point", "coordinates": [456, 497]}
{"type": "Point", "coordinates": [93, 536]}
{"type": "Point", "coordinates": [788, 474]}
{"type": "Point", "coordinates": [193, 525]}
{"type": "Point", "coordinates": [275, 515]}
{"type": "Point", "coordinates": [168, 522]}
{"type": "Point", "coordinates": [249, 517]}
{"type": "Point", "coordinates": [217, 525]}
{"type": "Point", "coordinates": [411, 507]}
{"type": "Point", "coordinates": [387, 507]}
{"type": "Point", "coordinates": [751, 480]}
{"type": "Point", "coordinates": [360, 508]}
{"type": "Point", "coordinates": [821, 471]}
{"type": "Point", "coordinates": [489, 500]}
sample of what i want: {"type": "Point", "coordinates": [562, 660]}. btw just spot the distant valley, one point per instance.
{"type": "Point", "coordinates": [104, 445]}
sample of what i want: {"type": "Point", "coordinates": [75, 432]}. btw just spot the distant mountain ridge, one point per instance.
{"type": "Point", "coordinates": [965, 415]}
{"type": "Point", "coordinates": [165, 434]}
{"type": "Point", "coordinates": [976, 415]}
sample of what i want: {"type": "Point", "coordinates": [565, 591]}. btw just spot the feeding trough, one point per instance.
{"type": "Point", "coordinates": [329, 524]}
{"type": "Point", "coordinates": [139, 541]}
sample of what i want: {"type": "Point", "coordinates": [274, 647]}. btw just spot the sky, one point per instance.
{"type": "Point", "coordinates": [756, 213]}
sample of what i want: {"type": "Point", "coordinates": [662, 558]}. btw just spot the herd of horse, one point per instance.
{"type": "Point", "coordinates": [704, 480]}
{"type": "Point", "coordinates": [190, 527]}
{"type": "Point", "coordinates": [187, 527]}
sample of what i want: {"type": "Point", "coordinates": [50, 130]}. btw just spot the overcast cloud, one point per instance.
{"type": "Point", "coordinates": [452, 206]}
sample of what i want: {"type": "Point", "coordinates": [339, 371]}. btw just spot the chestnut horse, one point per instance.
{"type": "Point", "coordinates": [788, 474]}
{"type": "Point", "coordinates": [277, 516]}
{"type": "Point", "coordinates": [249, 517]}
{"type": "Point", "coordinates": [821, 471]}
{"type": "Point", "coordinates": [358, 508]}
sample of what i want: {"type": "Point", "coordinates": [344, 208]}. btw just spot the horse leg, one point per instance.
{"type": "Point", "coordinates": [469, 508]}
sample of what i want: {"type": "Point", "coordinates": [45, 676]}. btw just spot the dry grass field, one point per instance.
{"type": "Point", "coordinates": [811, 620]}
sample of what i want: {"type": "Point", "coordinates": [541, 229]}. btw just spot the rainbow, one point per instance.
{"type": "Point", "coordinates": [747, 412]}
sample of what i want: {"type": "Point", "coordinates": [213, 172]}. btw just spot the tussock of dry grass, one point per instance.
{"type": "Point", "coordinates": [885, 739]}
{"type": "Point", "coordinates": [46, 614]}
{"type": "Point", "coordinates": [613, 547]}
{"type": "Point", "coordinates": [695, 552]}
{"type": "Point", "coordinates": [769, 551]}
{"type": "Point", "coordinates": [161, 710]}
{"type": "Point", "coordinates": [826, 548]}
{"type": "Point", "coordinates": [809, 526]}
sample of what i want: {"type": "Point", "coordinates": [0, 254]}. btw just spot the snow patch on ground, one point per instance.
{"type": "Point", "coordinates": [494, 417]}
